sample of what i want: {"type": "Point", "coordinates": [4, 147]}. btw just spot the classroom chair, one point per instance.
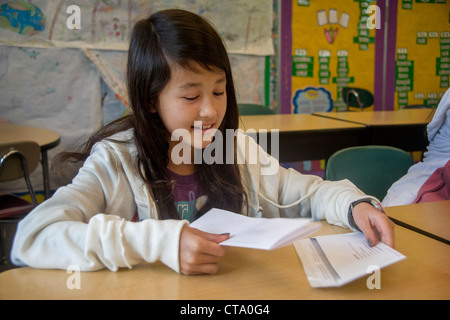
{"type": "Point", "coordinates": [253, 109]}
{"type": "Point", "coordinates": [357, 97]}
{"type": "Point", "coordinates": [373, 169]}
{"type": "Point", "coordinates": [17, 160]}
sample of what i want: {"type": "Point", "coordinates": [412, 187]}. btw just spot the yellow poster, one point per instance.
{"type": "Point", "coordinates": [332, 47]}
{"type": "Point", "coordinates": [422, 52]}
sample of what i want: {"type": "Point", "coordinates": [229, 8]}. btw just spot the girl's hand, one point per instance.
{"type": "Point", "coordinates": [375, 225]}
{"type": "Point", "coordinates": [200, 251]}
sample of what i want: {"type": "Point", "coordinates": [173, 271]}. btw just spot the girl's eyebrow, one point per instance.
{"type": "Point", "coordinates": [222, 80]}
{"type": "Point", "coordinates": [198, 84]}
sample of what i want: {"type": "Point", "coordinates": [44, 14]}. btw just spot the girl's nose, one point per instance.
{"type": "Point", "coordinates": [208, 108]}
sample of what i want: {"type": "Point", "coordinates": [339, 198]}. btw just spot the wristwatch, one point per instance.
{"type": "Point", "coordinates": [376, 204]}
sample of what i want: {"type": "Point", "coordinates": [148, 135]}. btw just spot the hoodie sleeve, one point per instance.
{"type": "Point", "coordinates": [281, 192]}
{"type": "Point", "coordinates": [302, 195]}
{"type": "Point", "coordinates": [87, 224]}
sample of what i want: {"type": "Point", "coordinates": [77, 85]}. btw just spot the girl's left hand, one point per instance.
{"type": "Point", "coordinates": [375, 225]}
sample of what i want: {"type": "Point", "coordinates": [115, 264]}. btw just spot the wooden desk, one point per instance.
{"type": "Point", "coordinates": [404, 129]}
{"type": "Point", "coordinates": [46, 139]}
{"type": "Point", "coordinates": [246, 274]}
{"type": "Point", "coordinates": [431, 219]}
{"type": "Point", "coordinates": [305, 137]}
{"type": "Point", "coordinates": [383, 118]}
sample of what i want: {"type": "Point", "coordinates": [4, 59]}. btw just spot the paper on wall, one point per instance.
{"type": "Point", "coordinates": [245, 25]}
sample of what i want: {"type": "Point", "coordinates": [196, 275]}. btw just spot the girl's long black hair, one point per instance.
{"type": "Point", "coordinates": [165, 38]}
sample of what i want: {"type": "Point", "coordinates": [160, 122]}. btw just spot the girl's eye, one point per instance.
{"type": "Point", "coordinates": [191, 98]}
{"type": "Point", "coordinates": [218, 94]}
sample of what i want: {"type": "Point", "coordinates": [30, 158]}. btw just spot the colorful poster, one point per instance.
{"type": "Point", "coordinates": [422, 52]}
{"type": "Point", "coordinates": [332, 47]}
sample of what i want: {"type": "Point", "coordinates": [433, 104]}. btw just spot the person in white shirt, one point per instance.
{"type": "Point", "coordinates": [405, 190]}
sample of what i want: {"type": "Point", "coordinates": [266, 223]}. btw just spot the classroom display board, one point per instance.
{"type": "Point", "coordinates": [422, 52]}
{"type": "Point", "coordinates": [332, 48]}
{"type": "Point", "coordinates": [397, 49]}
{"type": "Point", "coordinates": [106, 25]}
{"type": "Point", "coordinates": [245, 25]}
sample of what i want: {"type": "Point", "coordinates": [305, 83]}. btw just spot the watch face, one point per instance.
{"type": "Point", "coordinates": [378, 206]}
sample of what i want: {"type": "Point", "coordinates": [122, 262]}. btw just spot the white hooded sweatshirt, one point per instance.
{"type": "Point", "coordinates": [88, 223]}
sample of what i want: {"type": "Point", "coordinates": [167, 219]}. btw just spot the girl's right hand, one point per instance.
{"type": "Point", "coordinates": [200, 251]}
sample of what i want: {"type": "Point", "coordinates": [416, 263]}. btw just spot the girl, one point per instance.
{"type": "Point", "coordinates": [133, 199]}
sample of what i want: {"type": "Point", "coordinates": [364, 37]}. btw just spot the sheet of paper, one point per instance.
{"type": "Point", "coordinates": [332, 261]}
{"type": "Point", "coordinates": [256, 233]}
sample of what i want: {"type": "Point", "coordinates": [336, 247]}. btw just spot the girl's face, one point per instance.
{"type": "Point", "coordinates": [193, 105]}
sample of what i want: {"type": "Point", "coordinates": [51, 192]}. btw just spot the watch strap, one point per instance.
{"type": "Point", "coordinates": [376, 204]}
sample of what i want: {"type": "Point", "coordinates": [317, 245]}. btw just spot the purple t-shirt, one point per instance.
{"type": "Point", "coordinates": [188, 195]}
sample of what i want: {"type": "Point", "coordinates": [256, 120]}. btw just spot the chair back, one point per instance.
{"type": "Point", "coordinates": [357, 97]}
{"type": "Point", "coordinates": [246, 109]}
{"type": "Point", "coordinates": [18, 159]}
{"type": "Point", "coordinates": [373, 169]}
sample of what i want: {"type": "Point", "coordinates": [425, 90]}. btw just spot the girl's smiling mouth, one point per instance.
{"type": "Point", "coordinates": [203, 127]}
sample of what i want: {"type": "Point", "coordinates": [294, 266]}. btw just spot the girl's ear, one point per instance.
{"type": "Point", "coordinates": [152, 108]}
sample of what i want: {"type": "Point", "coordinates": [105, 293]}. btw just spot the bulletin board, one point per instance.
{"type": "Point", "coordinates": [422, 52]}
{"type": "Point", "coordinates": [245, 25]}
{"type": "Point", "coordinates": [103, 26]}
{"type": "Point", "coordinates": [331, 48]}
